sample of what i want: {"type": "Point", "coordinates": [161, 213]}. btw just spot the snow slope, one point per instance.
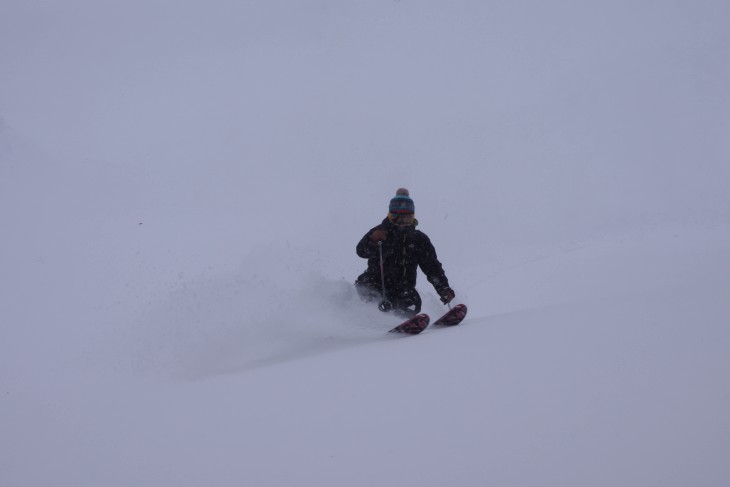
{"type": "Point", "coordinates": [182, 185]}
{"type": "Point", "coordinates": [576, 380]}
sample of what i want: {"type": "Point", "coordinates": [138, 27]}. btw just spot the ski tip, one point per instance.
{"type": "Point", "coordinates": [452, 317]}
{"type": "Point", "coordinates": [413, 326]}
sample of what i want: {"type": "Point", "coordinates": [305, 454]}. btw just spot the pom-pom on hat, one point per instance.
{"type": "Point", "coordinates": [402, 204]}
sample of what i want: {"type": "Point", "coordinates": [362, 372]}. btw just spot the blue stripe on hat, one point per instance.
{"type": "Point", "coordinates": [402, 204]}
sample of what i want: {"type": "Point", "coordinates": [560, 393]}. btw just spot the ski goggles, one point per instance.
{"type": "Point", "coordinates": [402, 219]}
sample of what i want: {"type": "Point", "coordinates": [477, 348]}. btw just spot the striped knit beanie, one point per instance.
{"type": "Point", "coordinates": [402, 203]}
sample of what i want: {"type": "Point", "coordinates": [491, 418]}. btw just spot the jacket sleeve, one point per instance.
{"type": "Point", "coordinates": [431, 266]}
{"type": "Point", "coordinates": [365, 247]}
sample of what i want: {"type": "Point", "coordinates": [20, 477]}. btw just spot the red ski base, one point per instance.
{"type": "Point", "coordinates": [454, 316]}
{"type": "Point", "coordinates": [413, 326]}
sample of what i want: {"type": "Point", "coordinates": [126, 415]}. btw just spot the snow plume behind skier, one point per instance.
{"type": "Point", "coordinates": [403, 249]}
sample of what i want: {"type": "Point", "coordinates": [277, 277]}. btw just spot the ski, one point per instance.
{"type": "Point", "coordinates": [418, 323]}
{"type": "Point", "coordinates": [412, 326]}
{"type": "Point", "coordinates": [452, 317]}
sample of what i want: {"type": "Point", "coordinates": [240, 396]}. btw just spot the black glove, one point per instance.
{"type": "Point", "coordinates": [378, 236]}
{"type": "Point", "coordinates": [447, 294]}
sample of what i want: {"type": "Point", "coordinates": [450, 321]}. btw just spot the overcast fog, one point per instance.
{"type": "Point", "coordinates": [181, 181]}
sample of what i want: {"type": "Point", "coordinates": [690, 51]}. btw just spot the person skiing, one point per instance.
{"type": "Point", "coordinates": [402, 249]}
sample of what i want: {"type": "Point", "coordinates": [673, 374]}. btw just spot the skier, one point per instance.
{"type": "Point", "coordinates": [403, 250]}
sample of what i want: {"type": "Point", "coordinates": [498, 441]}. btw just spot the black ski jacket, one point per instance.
{"type": "Point", "coordinates": [404, 250]}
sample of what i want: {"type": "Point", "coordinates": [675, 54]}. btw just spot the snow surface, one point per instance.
{"type": "Point", "coordinates": [182, 185]}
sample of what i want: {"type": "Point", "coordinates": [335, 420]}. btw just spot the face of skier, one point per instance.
{"type": "Point", "coordinates": [403, 222]}
{"type": "Point", "coordinates": [405, 219]}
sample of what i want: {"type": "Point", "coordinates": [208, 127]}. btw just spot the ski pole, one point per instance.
{"type": "Point", "coordinates": [384, 305]}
